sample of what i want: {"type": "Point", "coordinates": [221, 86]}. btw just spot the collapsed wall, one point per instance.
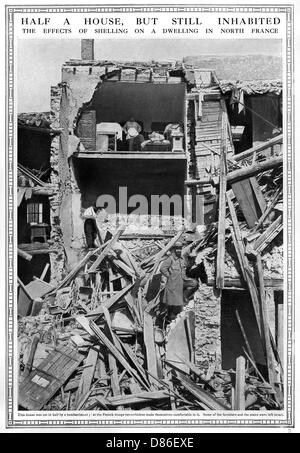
{"type": "Point", "coordinates": [77, 86]}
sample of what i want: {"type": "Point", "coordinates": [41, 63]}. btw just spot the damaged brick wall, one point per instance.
{"type": "Point", "coordinates": [57, 255]}
{"type": "Point", "coordinates": [208, 326]}
{"type": "Point", "coordinates": [77, 88]}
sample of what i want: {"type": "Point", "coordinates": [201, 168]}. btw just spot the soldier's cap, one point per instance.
{"type": "Point", "coordinates": [177, 245]}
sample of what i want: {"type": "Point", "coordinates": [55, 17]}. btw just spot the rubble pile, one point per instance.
{"type": "Point", "coordinates": [102, 341]}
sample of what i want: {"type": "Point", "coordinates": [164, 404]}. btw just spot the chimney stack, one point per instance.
{"type": "Point", "coordinates": [87, 49]}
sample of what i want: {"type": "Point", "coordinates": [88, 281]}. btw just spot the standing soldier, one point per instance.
{"type": "Point", "coordinates": [179, 287]}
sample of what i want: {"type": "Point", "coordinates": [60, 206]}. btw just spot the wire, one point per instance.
{"type": "Point", "coordinates": [259, 116]}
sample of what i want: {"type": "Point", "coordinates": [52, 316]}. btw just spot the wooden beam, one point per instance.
{"type": "Point", "coordinates": [150, 346]}
{"type": "Point", "coordinates": [250, 199]}
{"type": "Point", "coordinates": [103, 338]}
{"type": "Point", "coordinates": [43, 275]}
{"type": "Point", "coordinates": [142, 397]}
{"type": "Point", "coordinates": [87, 374]}
{"type": "Point", "coordinates": [280, 329]}
{"type": "Point", "coordinates": [239, 394]}
{"type": "Point", "coordinates": [243, 261]}
{"type": "Point", "coordinates": [109, 245]}
{"type": "Point", "coordinates": [138, 155]}
{"type": "Point", "coordinates": [75, 270]}
{"type": "Point", "coordinates": [244, 335]}
{"type": "Point", "coordinates": [31, 175]}
{"type": "Point", "coordinates": [24, 255]}
{"type": "Point", "coordinates": [265, 322]}
{"type": "Point", "coordinates": [110, 302]}
{"type": "Point", "coordinates": [257, 149]}
{"type": "Point", "coordinates": [222, 208]}
{"type": "Point", "coordinates": [268, 235]}
{"type": "Point", "coordinates": [237, 283]}
{"type": "Point", "coordinates": [29, 362]}
{"type": "Point", "coordinates": [158, 256]}
{"type": "Point", "coordinates": [253, 170]}
{"type": "Point", "coordinates": [268, 209]}
{"type": "Point", "coordinates": [46, 190]}
{"type": "Point", "coordinates": [206, 400]}
{"type": "Point", "coordinates": [46, 379]}
{"type": "Point", "coordinates": [241, 173]}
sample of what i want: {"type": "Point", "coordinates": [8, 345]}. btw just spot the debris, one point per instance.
{"type": "Point", "coordinates": [105, 339]}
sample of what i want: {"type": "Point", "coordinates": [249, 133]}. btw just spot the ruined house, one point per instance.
{"type": "Point", "coordinates": [236, 199]}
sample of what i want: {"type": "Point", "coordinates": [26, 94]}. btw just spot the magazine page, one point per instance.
{"type": "Point", "coordinates": [150, 217]}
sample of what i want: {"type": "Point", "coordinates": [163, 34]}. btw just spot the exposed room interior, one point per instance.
{"type": "Point", "coordinates": [152, 105]}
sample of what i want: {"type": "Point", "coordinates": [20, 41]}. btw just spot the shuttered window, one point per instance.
{"type": "Point", "coordinates": [35, 213]}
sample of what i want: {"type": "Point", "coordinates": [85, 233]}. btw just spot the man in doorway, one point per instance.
{"type": "Point", "coordinates": [95, 225]}
{"type": "Point", "coordinates": [102, 225]}
{"type": "Point", "coordinates": [90, 226]}
{"type": "Point", "coordinates": [179, 287]}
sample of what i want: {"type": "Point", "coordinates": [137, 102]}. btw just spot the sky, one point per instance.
{"type": "Point", "coordinates": [39, 61]}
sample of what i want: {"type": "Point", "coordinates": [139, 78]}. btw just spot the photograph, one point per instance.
{"type": "Point", "coordinates": [150, 218]}
{"type": "Point", "coordinates": [149, 223]}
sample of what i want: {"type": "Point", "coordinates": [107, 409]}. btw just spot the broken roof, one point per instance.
{"type": "Point", "coordinates": [39, 120]}
{"type": "Point", "coordinates": [252, 87]}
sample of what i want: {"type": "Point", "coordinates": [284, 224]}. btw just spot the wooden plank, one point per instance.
{"type": "Point", "coordinates": [158, 256]}
{"type": "Point", "coordinates": [239, 393]}
{"type": "Point", "coordinates": [31, 175]}
{"type": "Point", "coordinates": [43, 275]}
{"type": "Point", "coordinates": [150, 346]}
{"type": "Point", "coordinates": [265, 322]}
{"type": "Point", "coordinates": [75, 270]}
{"type": "Point", "coordinates": [110, 302]}
{"type": "Point", "coordinates": [268, 209]}
{"type": "Point", "coordinates": [258, 194]}
{"type": "Point", "coordinates": [206, 400]}
{"type": "Point", "coordinates": [268, 235]}
{"type": "Point", "coordinates": [257, 149]}
{"type": "Point", "coordinates": [109, 245]}
{"type": "Point", "coordinates": [133, 359]}
{"type": "Point", "coordinates": [240, 251]}
{"type": "Point", "coordinates": [121, 265]}
{"type": "Point", "coordinates": [141, 397]}
{"type": "Point", "coordinates": [253, 170]}
{"type": "Point", "coordinates": [24, 255]}
{"type": "Point", "coordinates": [222, 208]}
{"type": "Point", "coordinates": [246, 171]}
{"type": "Point", "coordinates": [244, 335]}
{"type": "Point", "coordinates": [116, 353]}
{"type": "Point", "coordinates": [114, 380]}
{"type": "Point", "coordinates": [42, 383]}
{"type": "Point", "coordinates": [29, 362]}
{"type": "Point", "coordinates": [87, 374]}
{"type": "Point", "coordinates": [247, 202]}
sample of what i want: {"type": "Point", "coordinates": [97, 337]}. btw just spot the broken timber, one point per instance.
{"type": "Point", "coordinates": [42, 383]}
{"type": "Point", "coordinates": [205, 399]}
{"type": "Point", "coordinates": [222, 208]}
{"type": "Point", "coordinates": [243, 173]}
